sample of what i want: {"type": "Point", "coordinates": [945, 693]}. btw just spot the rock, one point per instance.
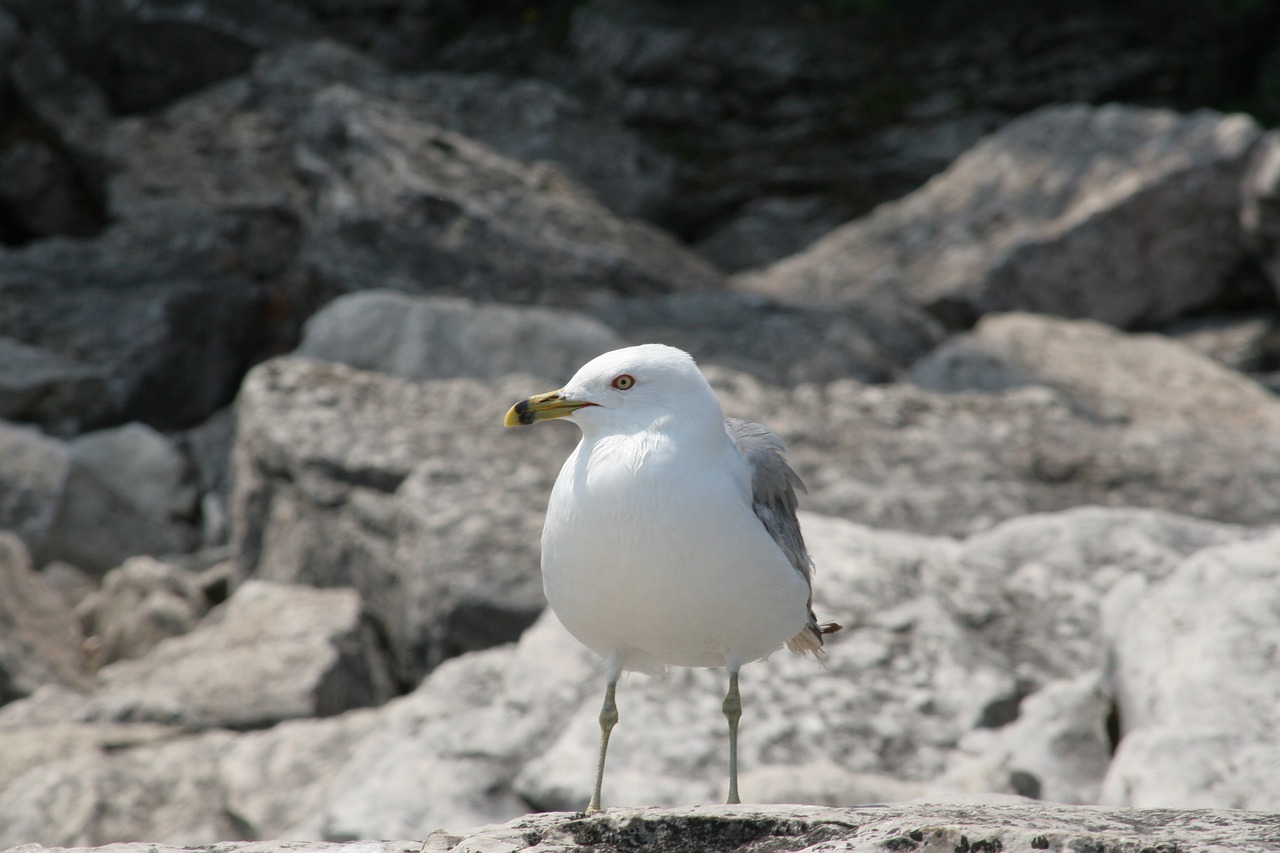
{"type": "Point", "coordinates": [767, 229]}
{"type": "Point", "coordinates": [779, 343]}
{"type": "Point", "coordinates": [413, 493]}
{"type": "Point", "coordinates": [958, 463]}
{"type": "Point", "coordinates": [207, 447]}
{"type": "Point", "coordinates": [1193, 659]}
{"type": "Point", "coordinates": [141, 603]}
{"type": "Point", "coordinates": [157, 789]}
{"type": "Point", "coordinates": [277, 782]}
{"type": "Point", "coordinates": [40, 386]}
{"type": "Point", "coordinates": [33, 472]}
{"type": "Point", "coordinates": [1016, 828]}
{"type": "Point", "coordinates": [532, 120]}
{"type": "Point", "coordinates": [153, 321]}
{"type": "Point", "coordinates": [39, 639]}
{"type": "Point", "coordinates": [273, 652]}
{"type": "Point", "coordinates": [1105, 373]}
{"type": "Point", "coordinates": [417, 337]}
{"type": "Point", "coordinates": [1117, 214]}
{"type": "Point", "coordinates": [385, 196]}
{"type": "Point", "coordinates": [459, 736]}
{"type": "Point", "coordinates": [414, 207]}
{"type": "Point", "coordinates": [1058, 749]}
{"type": "Point", "coordinates": [128, 492]}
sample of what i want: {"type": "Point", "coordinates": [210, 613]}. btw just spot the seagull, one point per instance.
{"type": "Point", "coordinates": [671, 536]}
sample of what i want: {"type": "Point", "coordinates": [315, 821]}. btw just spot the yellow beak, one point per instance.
{"type": "Point", "coordinates": [542, 407]}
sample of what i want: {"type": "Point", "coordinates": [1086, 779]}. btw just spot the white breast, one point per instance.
{"type": "Point", "coordinates": [653, 557]}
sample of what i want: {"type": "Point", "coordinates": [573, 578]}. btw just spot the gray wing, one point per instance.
{"type": "Point", "coordinates": [773, 497]}
{"type": "Point", "coordinates": [773, 489]}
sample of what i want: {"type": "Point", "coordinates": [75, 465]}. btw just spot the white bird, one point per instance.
{"type": "Point", "coordinates": [671, 536]}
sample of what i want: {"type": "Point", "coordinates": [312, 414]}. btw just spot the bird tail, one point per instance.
{"type": "Point", "coordinates": [809, 641]}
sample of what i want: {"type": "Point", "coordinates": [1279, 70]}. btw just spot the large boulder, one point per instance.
{"type": "Point", "coordinates": [1125, 215]}
{"type": "Point", "coordinates": [128, 492]}
{"type": "Point", "coordinates": [385, 195]}
{"type": "Point", "coordinates": [1193, 666]}
{"type": "Point", "coordinates": [422, 337]}
{"type": "Point", "coordinates": [781, 343]}
{"type": "Point", "coordinates": [39, 638]}
{"type": "Point", "coordinates": [33, 472]}
{"type": "Point", "coordinates": [412, 493]}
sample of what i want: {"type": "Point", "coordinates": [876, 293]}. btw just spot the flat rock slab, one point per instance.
{"type": "Point", "coordinates": [913, 827]}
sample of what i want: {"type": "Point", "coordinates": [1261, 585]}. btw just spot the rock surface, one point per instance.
{"type": "Point", "coordinates": [1115, 214]}
{"type": "Point", "coordinates": [1017, 828]}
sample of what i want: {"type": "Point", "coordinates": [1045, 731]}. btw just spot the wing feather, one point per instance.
{"type": "Point", "coordinates": [773, 498]}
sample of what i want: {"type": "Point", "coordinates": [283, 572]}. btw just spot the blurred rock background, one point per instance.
{"type": "Point", "coordinates": [1004, 276]}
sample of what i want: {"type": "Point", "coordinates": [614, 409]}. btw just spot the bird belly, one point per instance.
{"type": "Point", "coordinates": [670, 574]}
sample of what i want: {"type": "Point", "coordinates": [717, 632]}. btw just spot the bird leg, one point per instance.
{"type": "Point", "coordinates": [608, 719]}
{"type": "Point", "coordinates": [733, 712]}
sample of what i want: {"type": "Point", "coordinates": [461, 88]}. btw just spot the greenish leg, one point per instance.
{"type": "Point", "coordinates": [608, 719]}
{"type": "Point", "coordinates": [733, 712]}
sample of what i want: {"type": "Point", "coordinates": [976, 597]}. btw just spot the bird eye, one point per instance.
{"type": "Point", "coordinates": [623, 381]}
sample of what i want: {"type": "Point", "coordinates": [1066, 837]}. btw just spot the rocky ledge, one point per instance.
{"type": "Point", "coordinates": [924, 828]}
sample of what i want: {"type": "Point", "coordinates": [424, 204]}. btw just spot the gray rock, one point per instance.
{"type": "Point", "coordinates": [1117, 214]}
{"type": "Point", "coordinates": [414, 207]}
{"type": "Point", "coordinates": [413, 493]}
{"type": "Point", "coordinates": [779, 343]}
{"type": "Point", "coordinates": [385, 196]}
{"type": "Point", "coordinates": [1193, 664]}
{"type": "Point", "coordinates": [165, 788]}
{"type": "Point", "coordinates": [33, 473]}
{"type": "Point", "coordinates": [767, 229]}
{"type": "Point", "coordinates": [273, 652]}
{"type": "Point", "coordinates": [128, 492]}
{"type": "Point", "coordinates": [139, 604]}
{"type": "Point", "coordinates": [1105, 373]}
{"type": "Point", "coordinates": [277, 782]}
{"type": "Point", "coordinates": [1017, 828]}
{"type": "Point", "coordinates": [1058, 749]}
{"type": "Point", "coordinates": [957, 463]}
{"type": "Point", "coordinates": [39, 638]}
{"type": "Point", "coordinates": [533, 120]}
{"type": "Point", "coordinates": [154, 320]}
{"type": "Point", "coordinates": [40, 386]}
{"type": "Point", "coordinates": [440, 338]}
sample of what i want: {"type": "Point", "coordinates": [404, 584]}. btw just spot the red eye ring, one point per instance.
{"type": "Point", "coordinates": [623, 381]}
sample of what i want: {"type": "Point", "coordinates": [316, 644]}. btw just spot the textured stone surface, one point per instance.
{"type": "Point", "coordinates": [439, 338]}
{"type": "Point", "coordinates": [1117, 214]}
{"type": "Point", "coordinates": [1019, 828]}
{"type": "Point", "coordinates": [1192, 667]}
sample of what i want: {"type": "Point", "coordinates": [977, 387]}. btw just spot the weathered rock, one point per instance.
{"type": "Point", "coordinates": [139, 604]}
{"type": "Point", "coordinates": [897, 456]}
{"type": "Point", "coordinates": [1058, 749]}
{"type": "Point", "coordinates": [33, 473]}
{"type": "Point", "coordinates": [385, 196]}
{"type": "Point", "coordinates": [1017, 828]}
{"type": "Point", "coordinates": [414, 207]}
{"type": "Point", "coordinates": [532, 120]}
{"type": "Point", "coordinates": [208, 449]}
{"type": "Point", "coordinates": [413, 493]}
{"type": "Point", "coordinates": [1116, 214]}
{"type": "Point", "coordinates": [127, 492]}
{"type": "Point", "coordinates": [39, 638]}
{"type": "Point", "coordinates": [441, 338]}
{"type": "Point", "coordinates": [161, 788]}
{"type": "Point", "coordinates": [1193, 659]}
{"type": "Point", "coordinates": [41, 386]}
{"type": "Point", "coordinates": [779, 343]}
{"type": "Point", "coordinates": [1105, 373]}
{"type": "Point", "coordinates": [152, 321]}
{"type": "Point", "coordinates": [273, 652]}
